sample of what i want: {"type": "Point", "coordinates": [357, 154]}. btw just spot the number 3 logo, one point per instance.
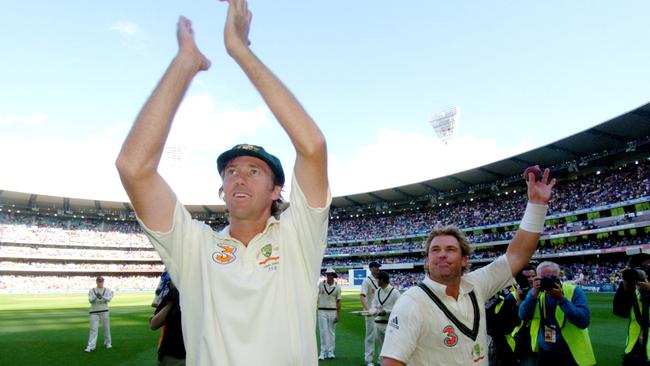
{"type": "Point", "coordinates": [226, 255]}
{"type": "Point", "coordinates": [451, 339]}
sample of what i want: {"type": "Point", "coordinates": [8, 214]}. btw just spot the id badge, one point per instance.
{"type": "Point", "coordinates": [549, 334]}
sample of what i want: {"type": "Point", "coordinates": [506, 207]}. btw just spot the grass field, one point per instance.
{"type": "Point", "coordinates": [52, 329]}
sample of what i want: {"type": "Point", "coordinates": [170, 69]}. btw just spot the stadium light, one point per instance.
{"type": "Point", "coordinates": [445, 123]}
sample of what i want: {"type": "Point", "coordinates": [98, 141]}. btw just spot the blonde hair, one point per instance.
{"type": "Point", "coordinates": [451, 230]}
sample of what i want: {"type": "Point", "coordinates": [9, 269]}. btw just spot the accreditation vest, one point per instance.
{"type": "Point", "coordinates": [510, 338]}
{"type": "Point", "coordinates": [634, 329]}
{"type": "Point", "coordinates": [577, 339]}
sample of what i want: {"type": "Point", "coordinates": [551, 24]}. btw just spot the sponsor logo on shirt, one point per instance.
{"type": "Point", "coordinates": [394, 323]}
{"type": "Point", "coordinates": [451, 339]}
{"type": "Point", "coordinates": [225, 254]}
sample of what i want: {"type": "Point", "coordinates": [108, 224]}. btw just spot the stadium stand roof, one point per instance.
{"type": "Point", "coordinates": [628, 133]}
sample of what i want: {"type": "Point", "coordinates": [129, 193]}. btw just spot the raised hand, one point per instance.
{"type": "Point", "coordinates": [539, 192]}
{"type": "Point", "coordinates": [187, 48]}
{"type": "Point", "coordinates": [237, 26]}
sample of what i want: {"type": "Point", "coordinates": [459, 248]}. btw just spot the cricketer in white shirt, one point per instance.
{"type": "Point", "coordinates": [248, 305]}
{"type": "Point", "coordinates": [383, 304]}
{"type": "Point", "coordinates": [329, 305]}
{"type": "Point", "coordinates": [419, 334]}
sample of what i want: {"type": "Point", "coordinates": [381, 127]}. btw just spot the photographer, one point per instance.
{"type": "Point", "coordinates": [510, 335]}
{"type": "Point", "coordinates": [631, 301]}
{"type": "Point", "coordinates": [559, 316]}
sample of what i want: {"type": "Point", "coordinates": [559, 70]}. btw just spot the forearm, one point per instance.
{"type": "Point", "coordinates": [622, 304]}
{"type": "Point", "coordinates": [142, 150]}
{"type": "Point", "coordinates": [363, 302]}
{"type": "Point", "coordinates": [527, 308]}
{"type": "Point", "coordinates": [577, 310]}
{"type": "Point", "coordinates": [158, 320]}
{"type": "Point", "coordinates": [303, 132]}
{"type": "Point", "coordinates": [391, 362]}
{"type": "Point", "coordinates": [523, 245]}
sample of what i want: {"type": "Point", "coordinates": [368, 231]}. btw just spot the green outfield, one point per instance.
{"type": "Point", "coordinates": [52, 329]}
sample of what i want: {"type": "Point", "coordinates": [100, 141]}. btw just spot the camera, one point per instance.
{"type": "Point", "coordinates": [549, 283]}
{"type": "Point", "coordinates": [633, 275]}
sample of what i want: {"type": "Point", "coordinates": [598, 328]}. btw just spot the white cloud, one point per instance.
{"type": "Point", "coordinates": [130, 32]}
{"type": "Point", "coordinates": [85, 167]}
{"type": "Point", "coordinates": [200, 125]}
{"type": "Point", "coordinates": [32, 119]}
{"type": "Point", "coordinates": [397, 158]}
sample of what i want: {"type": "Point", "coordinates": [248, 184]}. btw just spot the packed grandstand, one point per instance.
{"type": "Point", "coordinates": [601, 207]}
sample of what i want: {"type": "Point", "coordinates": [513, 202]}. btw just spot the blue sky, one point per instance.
{"type": "Point", "coordinates": [371, 73]}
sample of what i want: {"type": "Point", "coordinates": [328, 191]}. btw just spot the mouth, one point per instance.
{"type": "Point", "coordinates": [240, 195]}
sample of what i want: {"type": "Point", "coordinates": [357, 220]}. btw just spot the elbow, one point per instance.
{"type": "Point", "coordinates": [130, 170]}
{"type": "Point", "coordinates": [316, 148]}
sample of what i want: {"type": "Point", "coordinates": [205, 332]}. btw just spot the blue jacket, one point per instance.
{"type": "Point", "coordinates": [576, 311]}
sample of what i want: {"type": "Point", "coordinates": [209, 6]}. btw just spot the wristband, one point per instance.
{"type": "Point", "coordinates": [533, 220]}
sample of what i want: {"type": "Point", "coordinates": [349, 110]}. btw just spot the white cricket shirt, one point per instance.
{"type": "Point", "coordinates": [420, 334]}
{"type": "Point", "coordinates": [248, 305]}
{"type": "Point", "coordinates": [327, 296]}
{"type": "Point", "coordinates": [385, 299]}
{"type": "Point", "coordinates": [368, 288]}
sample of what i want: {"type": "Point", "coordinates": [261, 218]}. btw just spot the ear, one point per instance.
{"type": "Point", "coordinates": [277, 191]}
{"type": "Point", "coordinates": [465, 260]}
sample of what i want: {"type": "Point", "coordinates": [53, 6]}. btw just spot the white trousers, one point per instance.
{"type": "Point", "coordinates": [327, 328]}
{"type": "Point", "coordinates": [380, 333]}
{"type": "Point", "coordinates": [94, 324]}
{"type": "Point", "coordinates": [369, 341]}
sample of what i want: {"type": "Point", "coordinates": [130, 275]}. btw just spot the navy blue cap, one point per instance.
{"type": "Point", "coordinates": [256, 152]}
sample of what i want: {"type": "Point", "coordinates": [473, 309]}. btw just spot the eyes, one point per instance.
{"type": "Point", "coordinates": [437, 249]}
{"type": "Point", "coordinates": [249, 171]}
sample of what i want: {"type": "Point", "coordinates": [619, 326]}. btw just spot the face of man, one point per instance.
{"type": "Point", "coordinates": [374, 271]}
{"type": "Point", "coordinates": [100, 283]}
{"type": "Point", "coordinates": [248, 188]}
{"type": "Point", "coordinates": [548, 271]}
{"type": "Point", "coordinates": [330, 279]}
{"type": "Point", "coordinates": [530, 276]}
{"type": "Point", "coordinates": [445, 259]}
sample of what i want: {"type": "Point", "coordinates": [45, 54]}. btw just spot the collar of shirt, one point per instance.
{"type": "Point", "coordinates": [440, 289]}
{"type": "Point", "coordinates": [224, 234]}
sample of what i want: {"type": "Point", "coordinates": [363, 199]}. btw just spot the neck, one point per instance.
{"type": "Point", "coordinates": [245, 230]}
{"type": "Point", "coordinates": [330, 282]}
{"type": "Point", "coordinates": [452, 283]}
{"type": "Point", "coordinates": [384, 286]}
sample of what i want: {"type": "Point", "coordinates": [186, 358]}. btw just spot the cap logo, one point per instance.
{"type": "Point", "coordinates": [248, 147]}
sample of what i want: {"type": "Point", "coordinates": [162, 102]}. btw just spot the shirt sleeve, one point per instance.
{"type": "Point", "coordinates": [403, 330]}
{"type": "Point", "coordinates": [109, 295]}
{"type": "Point", "coordinates": [91, 296]}
{"type": "Point", "coordinates": [310, 227]}
{"type": "Point", "coordinates": [577, 310]}
{"type": "Point", "coordinates": [338, 292]}
{"type": "Point", "coordinates": [492, 278]}
{"type": "Point", "coordinates": [364, 288]}
{"type": "Point", "coordinates": [178, 247]}
{"type": "Point", "coordinates": [527, 307]}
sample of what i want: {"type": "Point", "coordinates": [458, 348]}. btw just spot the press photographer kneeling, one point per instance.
{"type": "Point", "coordinates": [559, 315]}
{"type": "Point", "coordinates": [631, 301]}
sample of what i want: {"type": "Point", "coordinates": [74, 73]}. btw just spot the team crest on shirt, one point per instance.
{"type": "Point", "coordinates": [225, 254]}
{"type": "Point", "coordinates": [477, 353]}
{"type": "Point", "coordinates": [269, 257]}
{"type": "Point", "coordinates": [451, 338]}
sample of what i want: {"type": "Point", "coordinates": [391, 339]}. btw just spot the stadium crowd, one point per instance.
{"type": "Point", "coordinates": [28, 236]}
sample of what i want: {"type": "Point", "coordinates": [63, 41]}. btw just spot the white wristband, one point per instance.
{"type": "Point", "coordinates": [533, 220]}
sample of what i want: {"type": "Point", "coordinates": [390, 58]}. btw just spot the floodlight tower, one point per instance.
{"type": "Point", "coordinates": [445, 123]}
